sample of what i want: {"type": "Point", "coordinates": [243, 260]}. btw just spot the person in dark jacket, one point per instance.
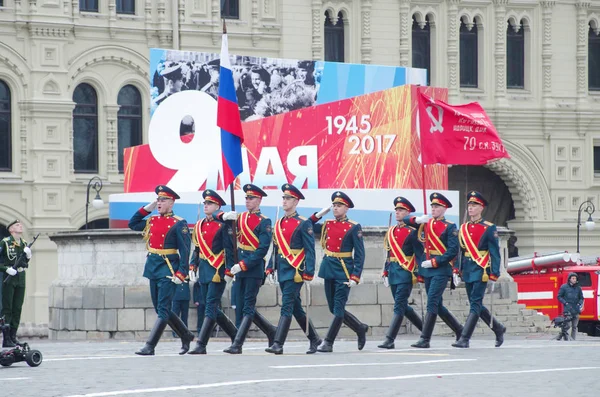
{"type": "Point", "coordinates": [571, 297]}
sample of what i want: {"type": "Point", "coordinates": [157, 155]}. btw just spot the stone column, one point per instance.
{"type": "Point", "coordinates": [582, 52]}
{"type": "Point", "coordinates": [547, 6]}
{"type": "Point", "coordinates": [405, 32]}
{"type": "Point", "coordinates": [317, 27]}
{"type": "Point", "coordinates": [365, 47]}
{"type": "Point", "coordinates": [500, 51]}
{"type": "Point", "coordinates": [112, 143]}
{"type": "Point", "coordinates": [255, 24]}
{"type": "Point", "coordinates": [452, 51]}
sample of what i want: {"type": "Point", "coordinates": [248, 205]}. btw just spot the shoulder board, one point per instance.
{"type": "Point", "coordinates": [449, 222]}
{"type": "Point", "coordinates": [6, 239]}
{"type": "Point", "coordinates": [352, 222]}
{"type": "Point", "coordinates": [178, 217]}
{"type": "Point", "coordinates": [264, 216]}
{"type": "Point", "coordinates": [302, 217]}
{"type": "Point", "coordinates": [411, 227]}
{"type": "Point", "coordinates": [488, 223]}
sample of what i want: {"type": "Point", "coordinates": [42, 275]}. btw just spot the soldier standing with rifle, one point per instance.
{"type": "Point", "coordinates": [294, 252]}
{"type": "Point", "coordinates": [167, 239]}
{"type": "Point", "coordinates": [480, 263]}
{"type": "Point", "coordinates": [14, 259]}
{"type": "Point", "coordinates": [440, 238]}
{"type": "Point", "coordinates": [212, 259]}
{"type": "Point", "coordinates": [341, 271]}
{"type": "Point", "coordinates": [254, 238]}
{"type": "Point", "coordinates": [405, 253]}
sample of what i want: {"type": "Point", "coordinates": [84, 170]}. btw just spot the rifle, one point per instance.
{"type": "Point", "coordinates": [17, 263]}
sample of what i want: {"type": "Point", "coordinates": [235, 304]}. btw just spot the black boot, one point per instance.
{"type": "Point", "coordinates": [280, 335]}
{"type": "Point", "coordinates": [355, 325]}
{"type": "Point", "coordinates": [496, 326]}
{"type": "Point", "coordinates": [334, 328]}
{"type": "Point", "coordinates": [390, 337]}
{"type": "Point", "coordinates": [265, 326]}
{"type": "Point", "coordinates": [236, 347]}
{"type": "Point", "coordinates": [13, 336]}
{"type": "Point", "coordinates": [428, 326]}
{"type": "Point", "coordinates": [226, 325]}
{"type": "Point", "coordinates": [414, 318]}
{"type": "Point", "coordinates": [208, 325]}
{"type": "Point", "coordinates": [313, 336]}
{"type": "Point", "coordinates": [182, 331]}
{"type": "Point", "coordinates": [453, 323]}
{"type": "Point", "coordinates": [6, 340]}
{"type": "Point", "coordinates": [468, 329]}
{"type": "Point", "coordinates": [155, 334]}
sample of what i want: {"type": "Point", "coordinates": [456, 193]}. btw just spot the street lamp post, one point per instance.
{"type": "Point", "coordinates": [588, 207]}
{"type": "Point", "coordinates": [97, 203]}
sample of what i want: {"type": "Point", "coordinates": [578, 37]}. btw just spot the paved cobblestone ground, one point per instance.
{"type": "Point", "coordinates": [534, 366]}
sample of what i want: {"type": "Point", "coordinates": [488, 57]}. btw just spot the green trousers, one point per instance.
{"type": "Point", "coordinates": [13, 297]}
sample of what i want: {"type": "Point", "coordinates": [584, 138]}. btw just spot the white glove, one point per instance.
{"type": "Point", "coordinates": [230, 216]}
{"type": "Point", "coordinates": [235, 269]}
{"type": "Point", "coordinates": [228, 278]}
{"type": "Point", "coordinates": [456, 279]}
{"type": "Point", "coordinates": [150, 206]}
{"type": "Point", "coordinates": [27, 252]}
{"type": "Point", "coordinates": [20, 269]}
{"type": "Point", "coordinates": [351, 283]}
{"type": "Point", "coordinates": [271, 279]}
{"type": "Point", "coordinates": [193, 276]}
{"type": "Point", "coordinates": [422, 219]}
{"type": "Point", "coordinates": [323, 212]}
{"type": "Point", "coordinates": [426, 264]}
{"type": "Point", "coordinates": [11, 271]}
{"type": "Point", "coordinates": [386, 281]}
{"type": "Point", "coordinates": [175, 279]}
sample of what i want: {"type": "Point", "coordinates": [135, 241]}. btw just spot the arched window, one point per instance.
{"type": "Point", "coordinates": [515, 56]}
{"type": "Point", "coordinates": [468, 54]}
{"type": "Point", "coordinates": [421, 46]}
{"type": "Point", "coordinates": [334, 38]}
{"type": "Point", "coordinates": [5, 130]}
{"type": "Point", "coordinates": [129, 120]}
{"type": "Point", "coordinates": [85, 129]}
{"type": "Point", "coordinates": [594, 60]}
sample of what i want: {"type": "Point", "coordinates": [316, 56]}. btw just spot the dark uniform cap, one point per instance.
{"type": "Point", "coordinates": [213, 197]}
{"type": "Point", "coordinates": [254, 191]}
{"type": "Point", "coordinates": [13, 223]}
{"type": "Point", "coordinates": [401, 202]}
{"type": "Point", "coordinates": [305, 64]}
{"type": "Point", "coordinates": [215, 63]}
{"type": "Point", "coordinates": [172, 72]}
{"type": "Point", "coordinates": [476, 198]}
{"type": "Point", "coordinates": [165, 191]}
{"type": "Point", "coordinates": [291, 191]}
{"type": "Point", "coordinates": [342, 198]}
{"type": "Point", "coordinates": [440, 199]}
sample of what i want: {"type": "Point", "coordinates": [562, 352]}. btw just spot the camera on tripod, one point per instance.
{"type": "Point", "coordinates": [564, 323]}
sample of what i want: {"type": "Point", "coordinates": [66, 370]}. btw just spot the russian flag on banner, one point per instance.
{"type": "Point", "coordinates": [228, 119]}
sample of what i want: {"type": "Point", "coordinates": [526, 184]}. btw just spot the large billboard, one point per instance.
{"type": "Point", "coordinates": [321, 126]}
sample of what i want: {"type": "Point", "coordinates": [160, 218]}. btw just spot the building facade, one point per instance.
{"type": "Point", "coordinates": [74, 89]}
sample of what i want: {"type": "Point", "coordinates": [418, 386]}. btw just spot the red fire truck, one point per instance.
{"type": "Point", "coordinates": [539, 278]}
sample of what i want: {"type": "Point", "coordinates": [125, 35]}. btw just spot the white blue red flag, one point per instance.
{"type": "Point", "coordinates": [228, 119]}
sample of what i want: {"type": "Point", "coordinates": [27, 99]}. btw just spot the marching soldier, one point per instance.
{"type": "Point", "coordinates": [294, 252]}
{"type": "Point", "coordinates": [341, 272]}
{"type": "Point", "coordinates": [480, 263]}
{"type": "Point", "coordinates": [212, 259]}
{"type": "Point", "coordinates": [440, 238]}
{"type": "Point", "coordinates": [254, 239]}
{"type": "Point", "coordinates": [13, 291]}
{"type": "Point", "coordinates": [168, 243]}
{"type": "Point", "coordinates": [405, 253]}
